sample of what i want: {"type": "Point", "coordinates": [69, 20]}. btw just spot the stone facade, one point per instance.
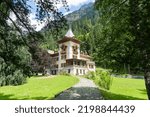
{"type": "Point", "coordinates": [69, 58]}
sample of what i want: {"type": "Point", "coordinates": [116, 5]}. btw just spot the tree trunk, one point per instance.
{"type": "Point", "coordinates": [147, 82]}
{"type": "Point", "coordinates": [125, 68]}
{"type": "Point", "coordinates": [129, 71]}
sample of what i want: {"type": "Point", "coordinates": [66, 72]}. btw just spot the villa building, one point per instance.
{"type": "Point", "coordinates": [69, 58]}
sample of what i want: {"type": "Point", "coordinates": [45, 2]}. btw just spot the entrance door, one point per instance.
{"type": "Point", "coordinates": [69, 71]}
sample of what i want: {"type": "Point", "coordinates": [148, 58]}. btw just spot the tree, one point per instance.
{"type": "Point", "coordinates": [129, 23]}
{"type": "Point", "coordinates": [17, 37]}
{"type": "Point", "coordinates": [140, 26]}
{"type": "Point", "coordinates": [40, 60]}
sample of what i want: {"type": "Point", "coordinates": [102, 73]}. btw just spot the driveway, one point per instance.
{"type": "Point", "coordinates": [84, 90]}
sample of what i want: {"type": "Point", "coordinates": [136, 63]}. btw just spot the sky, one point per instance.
{"type": "Point", "coordinates": [73, 5]}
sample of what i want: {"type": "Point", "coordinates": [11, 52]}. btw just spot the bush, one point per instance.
{"type": "Point", "coordinates": [18, 78]}
{"type": "Point", "coordinates": [101, 77]}
{"type": "Point", "coordinates": [14, 79]}
{"type": "Point", "coordinates": [15, 66]}
{"type": "Point", "coordinates": [64, 73]}
{"type": "Point", "coordinates": [9, 75]}
{"type": "Point", "coordinates": [91, 75]}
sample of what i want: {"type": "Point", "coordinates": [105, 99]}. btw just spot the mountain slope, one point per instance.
{"type": "Point", "coordinates": [86, 10]}
{"type": "Point", "coordinates": [83, 20]}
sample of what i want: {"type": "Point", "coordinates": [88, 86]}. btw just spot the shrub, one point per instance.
{"type": "Point", "coordinates": [15, 69]}
{"type": "Point", "coordinates": [13, 79]}
{"type": "Point", "coordinates": [64, 73]}
{"type": "Point", "coordinates": [101, 77]}
{"type": "Point", "coordinates": [91, 75]}
{"type": "Point", "coordinates": [18, 78]}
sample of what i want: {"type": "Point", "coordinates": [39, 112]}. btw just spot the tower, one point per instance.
{"type": "Point", "coordinates": [69, 48]}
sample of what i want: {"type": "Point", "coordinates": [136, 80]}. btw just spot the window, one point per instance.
{"type": "Point", "coordinates": [63, 48]}
{"type": "Point", "coordinates": [74, 63]}
{"type": "Point", "coordinates": [83, 63]}
{"type": "Point", "coordinates": [63, 64]}
{"type": "Point", "coordinates": [75, 49]}
{"type": "Point", "coordinates": [77, 72]}
{"type": "Point", "coordinates": [56, 66]}
{"type": "Point", "coordinates": [68, 70]}
{"type": "Point", "coordinates": [55, 72]}
{"type": "Point", "coordinates": [78, 63]}
{"type": "Point", "coordinates": [63, 57]}
{"type": "Point", "coordinates": [91, 66]}
{"type": "Point", "coordinates": [83, 71]}
{"type": "Point", "coordinates": [80, 71]}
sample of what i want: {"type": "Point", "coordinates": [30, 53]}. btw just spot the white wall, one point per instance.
{"type": "Point", "coordinates": [69, 55]}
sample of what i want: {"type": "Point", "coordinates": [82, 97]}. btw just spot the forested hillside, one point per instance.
{"type": "Point", "coordinates": [89, 27]}
{"type": "Point", "coordinates": [85, 13]}
{"type": "Point", "coordinates": [110, 48]}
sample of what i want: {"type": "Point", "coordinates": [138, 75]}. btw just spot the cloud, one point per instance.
{"type": "Point", "coordinates": [12, 17]}
{"type": "Point", "coordinates": [73, 5]}
{"type": "Point", "coordinates": [77, 2]}
{"type": "Point", "coordinates": [36, 23]}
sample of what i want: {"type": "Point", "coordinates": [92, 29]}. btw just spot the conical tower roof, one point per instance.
{"type": "Point", "coordinates": [69, 33]}
{"type": "Point", "coordinates": [69, 37]}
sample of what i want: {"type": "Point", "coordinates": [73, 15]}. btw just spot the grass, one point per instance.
{"type": "Point", "coordinates": [126, 89]}
{"type": "Point", "coordinates": [38, 88]}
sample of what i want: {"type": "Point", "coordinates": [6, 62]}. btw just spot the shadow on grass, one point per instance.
{"type": "Point", "coordinates": [113, 96]}
{"type": "Point", "coordinates": [11, 97]}
{"type": "Point", "coordinates": [6, 97]}
{"type": "Point", "coordinates": [142, 91]}
{"type": "Point", "coordinates": [80, 93]}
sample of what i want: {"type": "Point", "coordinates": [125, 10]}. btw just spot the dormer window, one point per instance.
{"type": "Point", "coordinates": [75, 49]}
{"type": "Point", "coordinates": [63, 49]}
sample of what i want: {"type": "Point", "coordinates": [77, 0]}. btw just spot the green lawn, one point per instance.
{"type": "Point", "coordinates": [38, 88]}
{"type": "Point", "coordinates": [126, 89]}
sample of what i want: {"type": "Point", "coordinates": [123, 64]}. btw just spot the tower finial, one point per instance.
{"type": "Point", "coordinates": [69, 33]}
{"type": "Point", "coordinates": [70, 19]}
{"type": "Point", "coordinates": [70, 24]}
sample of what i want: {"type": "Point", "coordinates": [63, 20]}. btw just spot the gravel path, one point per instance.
{"type": "Point", "coordinates": [84, 90]}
